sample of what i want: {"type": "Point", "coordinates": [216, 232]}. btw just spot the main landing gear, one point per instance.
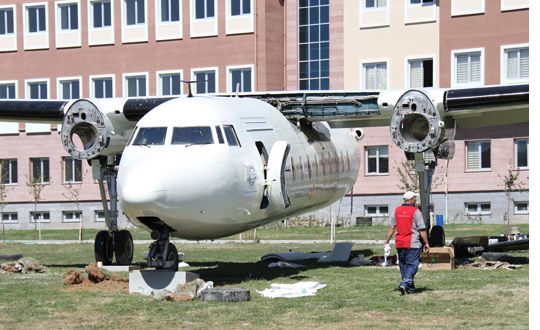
{"type": "Point", "coordinates": [112, 242]}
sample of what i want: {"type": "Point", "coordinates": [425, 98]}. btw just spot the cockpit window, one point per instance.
{"type": "Point", "coordinates": [150, 136]}
{"type": "Point", "coordinates": [232, 139]}
{"type": "Point", "coordinates": [192, 135]}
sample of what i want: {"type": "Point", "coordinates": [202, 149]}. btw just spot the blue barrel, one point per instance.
{"type": "Point", "coordinates": [439, 219]}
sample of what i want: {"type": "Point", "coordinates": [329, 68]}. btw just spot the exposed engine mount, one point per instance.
{"type": "Point", "coordinates": [88, 132]}
{"type": "Point", "coordinates": [416, 125]}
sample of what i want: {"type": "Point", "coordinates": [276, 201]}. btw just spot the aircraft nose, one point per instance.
{"type": "Point", "coordinates": [140, 188]}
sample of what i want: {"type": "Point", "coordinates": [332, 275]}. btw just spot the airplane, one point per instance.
{"type": "Point", "coordinates": [209, 166]}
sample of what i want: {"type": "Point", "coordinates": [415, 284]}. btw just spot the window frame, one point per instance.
{"type": "Point", "coordinates": [159, 14]}
{"type": "Point", "coordinates": [92, 80]}
{"type": "Point", "coordinates": [13, 10]}
{"type": "Point", "coordinates": [206, 17]}
{"type": "Point", "coordinates": [29, 82]}
{"type": "Point", "coordinates": [10, 216]}
{"type": "Point", "coordinates": [480, 168]}
{"type": "Point", "coordinates": [408, 62]}
{"type": "Point", "coordinates": [41, 218]}
{"type": "Point", "coordinates": [206, 70]}
{"type": "Point", "coordinates": [504, 64]}
{"type": "Point", "coordinates": [364, 66]}
{"type": "Point", "coordinates": [13, 83]}
{"type": "Point", "coordinates": [159, 84]}
{"type": "Point", "coordinates": [73, 174]}
{"type": "Point", "coordinates": [60, 90]}
{"type": "Point", "coordinates": [378, 213]}
{"type": "Point", "coordinates": [75, 219]}
{"type": "Point", "coordinates": [125, 17]}
{"type": "Point", "coordinates": [516, 211]}
{"type": "Point", "coordinates": [364, 6]}
{"type": "Point", "coordinates": [478, 211]}
{"type": "Point", "coordinates": [26, 18]}
{"type": "Point", "coordinates": [58, 16]}
{"type": "Point", "coordinates": [230, 69]}
{"type": "Point", "coordinates": [91, 15]}
{"type": "Point", "coordinates": [42, 170]}
{"type": "Point", "coordinates": [241, 4]}
{"type": "Point", "coordinates": [10, 175]}
{"type": "Point", "coordinates": [378, 157]}
{"type": "Point", "coordinates": [137, 75]}
{"type": "Point", "coordinates": [516, 165]}
{"type": "Point", "coordinates": [469, 51]}
{"type": "Point", "coordinates": [97, 218]}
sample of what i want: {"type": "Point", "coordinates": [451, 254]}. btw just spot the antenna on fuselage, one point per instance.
{"type": "Point", "coordinates": [189, 82]}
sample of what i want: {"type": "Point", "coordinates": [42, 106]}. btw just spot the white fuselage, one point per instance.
{"type": "Point", "coordinates": [209, 188]}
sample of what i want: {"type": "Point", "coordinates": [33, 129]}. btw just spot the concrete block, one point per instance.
{"type": "Point", "coordinates": [117, 268]}
{"type": "Point", "coordinates": [226, 294]}
{"type": "Point", "coordinates": [150, 282]}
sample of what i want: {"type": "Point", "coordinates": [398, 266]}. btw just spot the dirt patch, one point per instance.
{"type": "Point", "coordinates": [95, 279]}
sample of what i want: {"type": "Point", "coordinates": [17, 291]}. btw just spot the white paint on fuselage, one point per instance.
{"type": "Point", "coordinates": [215, 190]}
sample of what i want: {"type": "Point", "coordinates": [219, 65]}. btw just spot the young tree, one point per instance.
{"type": "Point", "coordinates": [35, 187]}
{"type": "Point", "coordinates": [3, 195]}
{"type": "Point", "coordinates": [408, 177]}
{"type": "Point", "coordinates": [72, 193]}
{"type": "Point", "coordinates": [510, 183]}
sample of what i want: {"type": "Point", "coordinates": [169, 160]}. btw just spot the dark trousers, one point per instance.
{"type": "Point", "coordinates": [409, 259]}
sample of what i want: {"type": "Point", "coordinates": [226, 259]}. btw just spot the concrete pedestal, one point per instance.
{"type": "Point", "coordinates": [150, 282]}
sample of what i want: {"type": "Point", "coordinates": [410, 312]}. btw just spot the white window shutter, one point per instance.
{"type": "Point", "coordinates": [462, 68]}
{"type": "Point", "coordinates": [371, 78]}
{"type": "Point", "coordinates": [473, 155]}
{"type": "Point", "coordinates": [524, 63]}
{"type": "Point", "coordinates": [416, 72]}
{"type": "Point", "coordinates": [381, 76]}
{"type": "Point", "coordinates": [512, 64]}
{"type": "Point", "coordinates": [475, 67]}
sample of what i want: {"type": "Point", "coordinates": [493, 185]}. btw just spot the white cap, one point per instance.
{"type": "Point", "coordinates": [408, 195]}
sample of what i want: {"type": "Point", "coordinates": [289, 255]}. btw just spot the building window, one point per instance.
{"type": "Point", "coordinates": [36, 18]}
{"type": "Point", "coordinates": [135, 86]}
{"type": "Point", "coordinates": [10, 217]}
{"type": "Point", "coordinates": [72, 170]}
{"type": "Point", "coordinates": [478, 155]}
{"type": "Point", "coordinates": [69, 89]}
{"type": "Point", "coordinates": [69, 16]}
{"type": "Point", "coordinates": [374, 75]}
{"type": "Point", "coordinates": [42, 217]}
{"type": "Point", "coordinates": [377, 160]}
{"type": "Point", "coordinates": [240, 7]}
{"type": "Point", "coordinates": [372, 4]}
{"type": "Point", "coordinates": [240, 80]}
{"type": "Point", "coordinates": [102, 87]}
{"type": "Point", "coordinates": [478, 208]}
{"type": "Point", "coordinates": [101, 13]}
{"type": "Point", "coordinates": [8, 171]}
{"type": "Point", "coordinates": [521, 207]}
{"type": "Point", "coordinates": [7, 91]}
{"type": "Point", "coordinates": [71, 216]}
{"type": "Point", "coordinates": [522, 153]}
{"type": "Point", "coordinates": [376, 210]}
{"type": "Point", "coordinates": [37, 90]}
{"type": "Point", "coordinates": [468, 68]}
{"type": "Point", "coordinates": [204, 9]}
{"type": "Point", "coordinates": [422, 2]}
{"type": "Point", "coordinates": [99, 216]}
{"type": "Point", "coordinates": [7, 25]}
{"type": "Point", "coordinates": [206, 81]}
{"type": "Point", "coordinates": [515, 66]}
{"type": "Point", "coordinates": [314, 45]}
{"type": "Point", "coordinates": [421, 73]}
{"type": "Point", "coordinates": [135, 12]}
{"type": "Point", "coordinates": [170, 83]}
{"type": "Point", "coordinates": [170, 10]}
{"type": "Point", "coordinates": [40, 170]}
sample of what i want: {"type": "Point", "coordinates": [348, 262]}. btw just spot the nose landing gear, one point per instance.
{"type": "Point", "coordinates": [162, 254]}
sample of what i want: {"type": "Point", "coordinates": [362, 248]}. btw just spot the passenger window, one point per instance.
{"type": "Point", "coordinates": [232, 139]}
{"type": "Point", "coordinates": [219, 135]}
{"type": "Point", "coordinates": [150, 136]}
{"type": "Point", "coordinates": [192, 135]}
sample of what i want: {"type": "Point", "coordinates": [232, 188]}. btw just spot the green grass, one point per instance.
{"type": "Point", "coordinates": [275, 233]}
{"type": "Point", "coordinates": [355, 297]}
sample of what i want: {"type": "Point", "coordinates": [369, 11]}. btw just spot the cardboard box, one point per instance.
{"type": "Point", "coordinates": [439, 258]}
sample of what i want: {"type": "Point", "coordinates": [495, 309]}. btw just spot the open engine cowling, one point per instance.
{"type": "Point", "coordinates": [88, 132]}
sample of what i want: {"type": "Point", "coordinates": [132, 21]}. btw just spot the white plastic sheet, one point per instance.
{"type": "Point", "coordinates": [299, 289]}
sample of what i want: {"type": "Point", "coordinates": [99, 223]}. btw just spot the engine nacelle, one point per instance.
{"type": "Point", "coordinates": [88, 132]}
{"type": "Point", "coordinates": [416, 125]}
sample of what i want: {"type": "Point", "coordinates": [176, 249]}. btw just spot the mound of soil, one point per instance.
{"type": "Point", "coordinates": [97, 280]}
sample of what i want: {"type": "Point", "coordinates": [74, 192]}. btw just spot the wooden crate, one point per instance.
{"type": "Point", "coordinates": [439, 258]}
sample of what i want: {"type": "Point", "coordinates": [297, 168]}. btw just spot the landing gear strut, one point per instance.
{"type": "Point", "coordinates": [111, 242]}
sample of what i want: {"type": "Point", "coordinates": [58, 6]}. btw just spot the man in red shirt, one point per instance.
{"type": "Point", "coordinates": [409, 225]}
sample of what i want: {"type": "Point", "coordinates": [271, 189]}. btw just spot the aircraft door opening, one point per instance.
{"type": "Point", "coordinates": [264, 158]}
{"type": "Point", "coordinates": [276, 174]}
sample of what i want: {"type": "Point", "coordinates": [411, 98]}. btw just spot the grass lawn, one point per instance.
{"type": "Point", "coordinates": [355, 297]}
{"type": "Point", "coordinates": [275, 233]}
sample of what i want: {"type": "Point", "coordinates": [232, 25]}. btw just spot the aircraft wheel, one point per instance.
{"type": "Point", "coordinates": [103, 247]}
{"type": "Point", "coordinates": [123, 247]}
{"type": "Point", "coordinates": [172, 255]}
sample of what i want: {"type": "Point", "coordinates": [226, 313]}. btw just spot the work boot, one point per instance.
{"type": "Point", "coordinates": [403, 290]}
